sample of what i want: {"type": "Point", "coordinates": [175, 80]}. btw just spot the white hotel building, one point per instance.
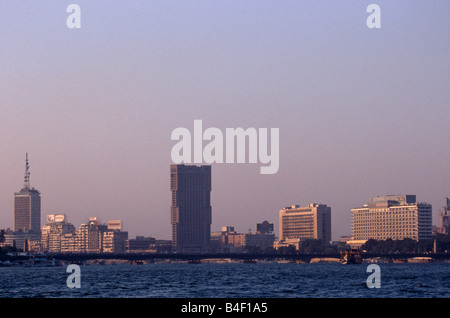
{"type": "Point", "coordinates": [393, 216]}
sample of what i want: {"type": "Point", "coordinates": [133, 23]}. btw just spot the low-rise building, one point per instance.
{"type": "Point", "coordinates": [142, 244]}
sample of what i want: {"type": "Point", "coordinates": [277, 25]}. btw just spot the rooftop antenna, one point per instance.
{"type": "Point", "coordinates": [27, 173]}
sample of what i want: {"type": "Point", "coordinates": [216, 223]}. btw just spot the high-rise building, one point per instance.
{"type": "Point", "coordinates": [444, 219]}
{"type": "Point", "coordinates": [53, 231]}
{"type": "Point", "coordinates": [69, 243]}
{"type": "Point", "coordinates": [392, 217]}
{"type": "Point", "coordinates": [89, 236]}
{"type": "Point", "coordinates": [191, 208]}
{"type": "Point", "coordinates": [311, 222]}
{"type": "Point", "coordinates": [114, 239]}
{"type": "Point", "coordinates": [27, 206]}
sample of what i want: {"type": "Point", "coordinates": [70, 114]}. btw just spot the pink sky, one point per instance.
{"type": "Point", "coordinates": [361, 112]}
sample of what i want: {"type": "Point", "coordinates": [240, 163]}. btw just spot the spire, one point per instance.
{"type": "Point", "coordinates": [27, 173]}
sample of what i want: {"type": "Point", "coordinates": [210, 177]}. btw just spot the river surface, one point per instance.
{"type": "Point", "coordinates": [229, 280]}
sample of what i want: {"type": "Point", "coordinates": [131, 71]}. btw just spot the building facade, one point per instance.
{"type": "Point", "coordinates": [190, 208]}
{"type": "Point", "coordinates": [114, 239]}
{"type": "Point", "coordinates": [69, 243]}
{"type": "Point", "coordinates": [444, 219]}
{"type": "Point", "coordinates": [27, 217]}
{"type": "Point", "coordinates": [90, 236]}
{"type": "Point", "coordinates": [142, 244]}
{"type": "Point", "coordinates": [27, 210]}
{"type": "Point", "coordinates": [53, 231]}
{"type": "Point", "coordinates": [22, 240]}
{"type": "Point", "coordinates": [392, 217]}
{"type": "Point", "coordinates": [227, 240]}
{"type": "Point", "coordinates": [265, 227]}
{"type": "Point", "coordinates": [259, 240]}
{"type": "Point", "coordinates": [311, 222]}
{"type": "Point", "coordinates": [27, 206]}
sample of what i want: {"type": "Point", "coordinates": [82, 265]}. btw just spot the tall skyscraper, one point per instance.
{"type": "Point", "coordinates": [392, 217]}
{"type": "Point", "coordinates": [311, 222]}
{"type": "Point", "coordinates": [191, 208]}
{"type": "Point", "coordinates": [27, 206]}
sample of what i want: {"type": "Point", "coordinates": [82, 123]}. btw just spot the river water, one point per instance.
{"type": "Point", "coordinates": [229, 280]}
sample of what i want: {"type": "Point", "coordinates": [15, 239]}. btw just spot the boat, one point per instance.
{"type": "Point", "coordinates": [41, 260]}
{"type": "Point", "coordinates": [352, 256]}
{"type": "Point", "coordinates": [216, 260]}
{"type": "Point", "coordinates": [249, 261]}
{"type": "Point", "coordinates": [420, 260]}
{"type": "Point", "coordinates": [399, 260]}
{"type": "Point", "coordinates": [324, 260]}
{"type": "Point", "coordinates": [284, 261]}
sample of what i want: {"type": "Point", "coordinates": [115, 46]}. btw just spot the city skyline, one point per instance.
{"type": "Point", "coordinates": [361, 112]}
{"type": "Point", "coordinates": [191, 186]}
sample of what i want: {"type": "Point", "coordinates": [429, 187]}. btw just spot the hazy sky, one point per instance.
{"type": "Point", "coordinates": [362, 112]}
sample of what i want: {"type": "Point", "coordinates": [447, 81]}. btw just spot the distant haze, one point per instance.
{"type": "Point", "coordinates": [361, 112]}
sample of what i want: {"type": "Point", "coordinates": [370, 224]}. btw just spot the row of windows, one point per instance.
{"type": "Point", "coordinates": [360, 224]}
{"type": "Point", "coordinates": [400, 237]}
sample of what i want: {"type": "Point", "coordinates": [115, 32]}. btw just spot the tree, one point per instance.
{"type": "Point", "coordinates": [253, 249]}
{"type": "Point", "coordinates": [287, 250]}
{"type": "Point", "coordinates": [443, 242]}
{"type": "Point", "coordinates": [371, 246]}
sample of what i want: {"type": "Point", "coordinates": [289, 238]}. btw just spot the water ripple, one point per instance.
{"type": "Point", "coordinates": [262, 280]}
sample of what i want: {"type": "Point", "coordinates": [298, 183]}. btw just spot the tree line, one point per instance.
{"type": "Point", "coordinates": [372, 246]}
{"type": "Point", "coordinates": [408, 246]}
